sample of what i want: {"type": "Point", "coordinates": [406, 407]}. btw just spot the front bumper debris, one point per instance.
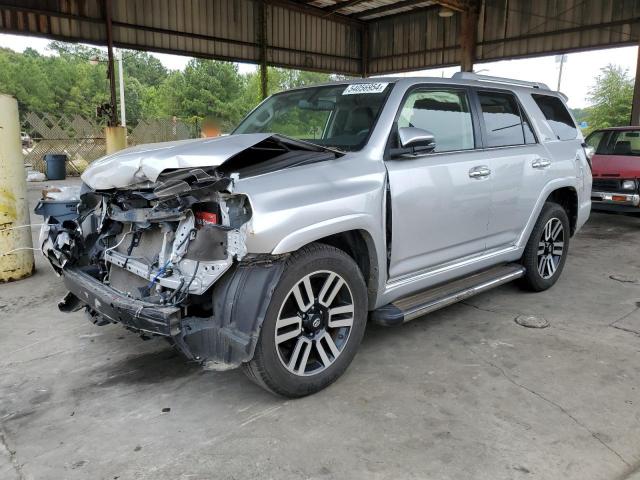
{"type": "Point", "coordinates": [111, 305]}
{"type": "Point", "coordinates": [221, 341]}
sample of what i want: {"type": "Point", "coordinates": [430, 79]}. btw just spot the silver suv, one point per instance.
{"type": "Point", "coordinates": [378, 199]}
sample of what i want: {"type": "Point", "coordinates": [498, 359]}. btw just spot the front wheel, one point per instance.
{"type": "Point", "coordinates": [314, 323]}
{"type": "Point", "coordinates": [546, 251]}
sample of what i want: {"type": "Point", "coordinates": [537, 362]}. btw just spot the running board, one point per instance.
{"type": "Point", "coordinates": [418, 304]}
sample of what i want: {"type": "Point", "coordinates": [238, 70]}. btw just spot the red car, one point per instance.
{"type": "Point", "coordinates": [616, 169]}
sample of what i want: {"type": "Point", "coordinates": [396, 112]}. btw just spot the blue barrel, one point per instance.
{"type": "Point", "coordinates": [56, 166]}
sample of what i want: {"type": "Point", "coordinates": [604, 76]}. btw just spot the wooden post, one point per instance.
{"type": "Point", "coordinates": [113, 118]}
{"type": "Point", "coordinates": [635, 105]}
{"type": "Point", "coordinates": [365, 50]}
{"type": "Point", "coordinates": [468, 34]}
{"type": "Point", "coordinates": [264, 80]}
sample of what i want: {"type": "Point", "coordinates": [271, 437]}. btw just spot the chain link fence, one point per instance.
{"type": "Point", "coordinates": [82, 139]}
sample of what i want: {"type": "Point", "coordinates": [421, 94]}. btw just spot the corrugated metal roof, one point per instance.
{"type": "Point", "coordinates": [506, 29]}
{"type": "Point", "coordinates": [347, 36]}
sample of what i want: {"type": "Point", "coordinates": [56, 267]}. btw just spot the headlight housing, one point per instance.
{"type": "Point", "coordinates": [628, 184]}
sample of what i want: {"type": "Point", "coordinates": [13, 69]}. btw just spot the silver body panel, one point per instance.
{"type": "Point", "coordinates": [445, 224]}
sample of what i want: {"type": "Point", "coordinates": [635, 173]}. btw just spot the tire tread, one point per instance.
{"type": "Point", "coordinates": [532, 280]}
{"type": "Point", "coordinates": [255, 369]}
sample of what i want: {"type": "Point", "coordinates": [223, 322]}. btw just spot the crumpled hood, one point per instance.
{"type": "Point", "coordinates": [144, 163]}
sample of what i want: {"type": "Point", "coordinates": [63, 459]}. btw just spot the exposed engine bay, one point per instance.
{"type": "Point", "coordinates": [157, 243]}
{"type": "Point", "coordinates": [148, 257]}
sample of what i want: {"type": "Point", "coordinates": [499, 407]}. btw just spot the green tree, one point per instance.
{"type": "Point", "coordinates": [611, 98]}
{"type": "Point", "coordinates": [146, 68]}
{"type": "Point", "coordinates": [207, 88]}
{"type": "Point", "coordinates": [22, 76]}
{"type": "Point", "coordinates": [73, 80]}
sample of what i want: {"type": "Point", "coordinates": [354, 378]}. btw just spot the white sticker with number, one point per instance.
{"type": "Point", "coordinates": [364, 88]}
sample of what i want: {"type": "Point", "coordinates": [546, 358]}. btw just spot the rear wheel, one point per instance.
{"type": "Point", "coordinates": [547, 248]}
{"type": "Point", "coordinates": [314, 324]}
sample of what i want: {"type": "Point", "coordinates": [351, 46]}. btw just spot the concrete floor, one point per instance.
{"type": "Point", "coordinates": [464, 393]}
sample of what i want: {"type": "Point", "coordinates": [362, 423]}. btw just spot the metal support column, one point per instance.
{"type": "Point", "coordinates": [635, 105]}
{"type": "Point", "coordinates": [468, 34]}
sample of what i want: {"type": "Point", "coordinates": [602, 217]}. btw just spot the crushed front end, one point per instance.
{"type": "Point", "coordinates": [167, 258]}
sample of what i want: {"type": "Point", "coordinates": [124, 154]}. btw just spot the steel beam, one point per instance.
{"type": "Point", "coordinates": [457, 5]}
{"type": "Point", "coordinates": [317, 11]}
{"type": "Point", "coordinates": [389, 8]}
{"type": "Point", "coordinates": [341, 5]}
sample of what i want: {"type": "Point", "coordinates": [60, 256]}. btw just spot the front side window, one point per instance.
{"type": "Point", "coordinates": [594, 140]}
{"type": "Point", "coordinates": [337, 116]}
{"type": "Point", "coordinates": [504, 122]}
{"type": "Point", "coordinates": [558, 116]}
{"type": "Point", "coordinates": [444, 113]}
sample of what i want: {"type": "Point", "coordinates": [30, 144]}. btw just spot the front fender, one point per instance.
{"type": "Point", "coordinates": [299, 238]}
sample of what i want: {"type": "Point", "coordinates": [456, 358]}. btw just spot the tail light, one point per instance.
{"type": "Point", "coordinates": [589, 152]}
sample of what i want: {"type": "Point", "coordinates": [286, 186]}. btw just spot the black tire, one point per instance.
{"type": "Point", "coordinates": [538, 276]}
{"type": "Point", "coordinates": [267, 368]}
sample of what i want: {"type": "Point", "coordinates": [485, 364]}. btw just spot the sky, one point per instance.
{"type": "Point", "coordinates": [579, 71]}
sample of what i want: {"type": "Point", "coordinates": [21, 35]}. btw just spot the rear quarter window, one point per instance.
{"type": "Point", "coordinates": [558, 116]}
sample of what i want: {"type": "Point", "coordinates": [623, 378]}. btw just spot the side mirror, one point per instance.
{"type": "Point", "coordinates": [413, 141]}
{"type": "Point", "coordinates": [589, 152]}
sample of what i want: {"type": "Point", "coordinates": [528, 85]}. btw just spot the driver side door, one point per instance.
{"type": "Point", "coordinates": [440, 201]}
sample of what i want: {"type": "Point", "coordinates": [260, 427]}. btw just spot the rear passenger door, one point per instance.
{"type": "Point", "coordinates": [519, 164]}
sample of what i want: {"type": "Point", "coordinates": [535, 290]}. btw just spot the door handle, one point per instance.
{"type": "Point", "coordinates": [479, 172]}
{"type": "Point", "coordinates": [540, 163]}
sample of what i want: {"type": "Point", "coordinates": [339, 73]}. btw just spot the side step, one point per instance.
{"type": "Point", "coordinates": [421, 303]}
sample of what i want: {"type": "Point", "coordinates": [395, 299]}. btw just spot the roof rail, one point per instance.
{"type": "Point", "coordinates": [509, 81]}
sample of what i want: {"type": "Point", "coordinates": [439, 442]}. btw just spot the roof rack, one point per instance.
{"type": "Point", "coordinates": [509, 81]}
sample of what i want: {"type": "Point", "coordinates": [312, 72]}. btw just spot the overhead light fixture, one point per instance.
{"type": "Point", "coordinates": [445, 12]}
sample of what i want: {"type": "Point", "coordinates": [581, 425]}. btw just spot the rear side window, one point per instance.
{"type": "Point", "coordinates": [558, 117]}
{"type": "Point", "coordinates": [504, 121]}
{"type": "Point", "coordinates": [445, 113]}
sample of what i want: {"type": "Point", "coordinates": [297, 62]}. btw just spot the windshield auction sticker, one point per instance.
{"type": "Point", "coordinates": [363, 88]}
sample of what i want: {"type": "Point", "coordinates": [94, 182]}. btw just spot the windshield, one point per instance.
{"type": "Point", "coordinates": [336, 116]}
{"type": "Point", "coordinates": [616, 142]}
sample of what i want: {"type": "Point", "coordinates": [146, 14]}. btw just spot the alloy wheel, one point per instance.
{"type": "Point", "coordinates": [314, 323]}
{"type": "Point", "coordinates": [550, 248]}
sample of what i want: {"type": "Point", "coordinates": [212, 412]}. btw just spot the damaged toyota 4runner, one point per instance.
{"type": "Point", "coordinates": [328, 206]}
